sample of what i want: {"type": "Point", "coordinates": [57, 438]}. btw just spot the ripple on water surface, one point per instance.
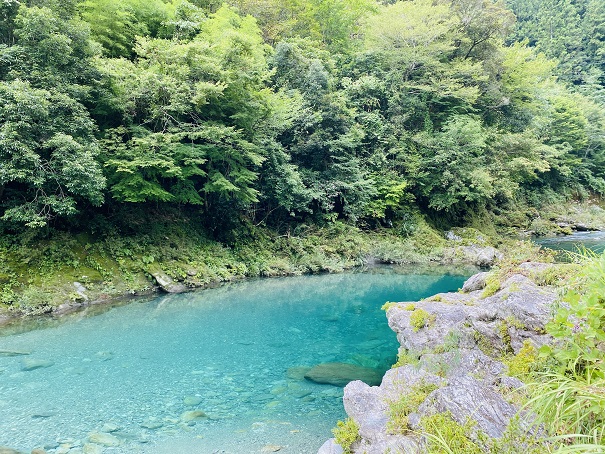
{"type": "Point", "coordinates": [218, 370]}
{"type": "Point", "coordinates": [594, 241]}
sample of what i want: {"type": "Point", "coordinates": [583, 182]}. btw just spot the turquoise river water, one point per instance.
{"type": "Point", "coordinates": [133, 370]}
{"type": "Point", "coordinates": [594, 241]}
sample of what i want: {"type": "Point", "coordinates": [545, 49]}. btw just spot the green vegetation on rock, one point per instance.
{"type": "Point", "coordinates": [419, 318]}
{"type": "Point", "coordinates": [446, 436]}
{"type": "Point", "coordinates": [346, 433]}
{"type": "Point", "coordinates": [409, 401]}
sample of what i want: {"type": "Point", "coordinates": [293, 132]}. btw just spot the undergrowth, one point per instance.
{"type": "Point", "coordinates": [39, 271]}
{"type": "Point", "coordinates": [569, 397]}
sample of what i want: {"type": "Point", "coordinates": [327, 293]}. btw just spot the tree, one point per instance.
{"type": "Point", "coordinates": [8, 12]}
{"type": "Point", "coordinates": [47, 138]}
{"type": "Point", "coordinates": [324, 139]}
{"type": "Point", "coordinates": [115, 24]}
{"type": "Point", "coordinates": [193, 117]}
{"type": "Point", "coordinates": [485, 24]}
{"type": "Point", "coordinates": [455, 166]}
{"type": "Point", "coordinates": [47, 155]}
{"type": "Point", "coordinates": [335, 24]}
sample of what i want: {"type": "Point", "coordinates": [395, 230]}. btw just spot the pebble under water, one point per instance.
{"type": "Point", "coordinates": [122, 381]}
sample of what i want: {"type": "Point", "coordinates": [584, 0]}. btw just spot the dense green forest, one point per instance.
{"type": "Point", "coordinates": [202, 141]}
{"type": "Point", "coordinates": [281, 112]}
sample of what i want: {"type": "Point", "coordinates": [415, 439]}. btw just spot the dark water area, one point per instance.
{"type": "Point", "coordinates": [126, 376]}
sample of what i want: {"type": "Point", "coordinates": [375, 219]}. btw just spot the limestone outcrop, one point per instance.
{"type": "Point", "coordinates": [453, 343]}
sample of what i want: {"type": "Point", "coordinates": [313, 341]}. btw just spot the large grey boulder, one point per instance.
{"type": "Point", "coordinates": [456, 351]}
{"type": "Point", "coordinates": [330, 447]}
{"type": "Point", "coordinates": [483, 256]}
{"type": "Point", "coordinates": [468, 399]}
{"type": "Point", "coordinates": [475, 282]}
{"type": "Point", "coordinates": [460, 362]}
{"type": "Point", "coordinates": [368, 408]}
{"type": "Point", "coordinates": [450, 318]}
{"type": "Point", "coordinates": [514, 314]}
{"type": "Point", "coordinates": [167, 283]}
{"type": "Point", "coordinates": [399, 444]}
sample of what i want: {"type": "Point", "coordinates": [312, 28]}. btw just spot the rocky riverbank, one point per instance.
{"type": "Point", "coordinates": [465, 247]}
{"type": "Point", "coordinates": [459, 356]}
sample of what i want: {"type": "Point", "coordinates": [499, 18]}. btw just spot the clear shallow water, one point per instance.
{"type": "Point", "coordinates": [229, 348]}
{"type": "Point", "coordinates": [594, 241]}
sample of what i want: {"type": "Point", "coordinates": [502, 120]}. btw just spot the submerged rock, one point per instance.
{"type": "Point", "coordinates": [104, 439]}
{"type": "Point", "coordinates": [12, 353]}
{"type": "Point", "coordinates": [29, 364]}
{"type": "Point", "coordinates": [90, 448]}
{"type": "Point", "coordinates": [193, 415]}
{"type": "Point", "coordinates": [104, 355]}
{"type": "Point", "coordinates": [110, 427]}
{"type": "Point", "coordinates": [271, 448]}
{"type": "Point", "coordinates": [192, 401]}
{"type": "Point", "coordinates": [339, 374]}
{"type": "Point", "coordinates": [298, 372]}
{"type": "Point", "coordinates": [5, 450]}
{"type": "Point", "coordinates": [152, 425]}
{"type": "Point", "coordinates": [43, 414]}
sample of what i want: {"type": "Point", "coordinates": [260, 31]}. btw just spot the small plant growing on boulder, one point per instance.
{"type": "Point", "coordinates": [386, 306]}
{"type": "Point", "coordinates": [523, 362]}
{"type": "Point", "coordinates": [400, 409]}
{"type": "Point", "coordinates": [444, 435]}
{"type": "Point", "coordinates": [492, 285]}
{"type": "Point", "coordinates": [405, 357]}
{"type": "Point", "coordinates": [346, 433]}
{"type": "Point", "coordinates": [420, 319]}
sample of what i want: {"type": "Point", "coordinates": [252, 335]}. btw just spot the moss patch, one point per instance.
{"type": "Point", "coordinates": [39, 269]}
{"type": "Point", "coordinates": [523, 362]}
{"type": "Point", "coordinates": [420, 319]}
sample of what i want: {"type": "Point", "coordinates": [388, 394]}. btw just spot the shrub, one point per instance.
{"type": "Point", "coordinates": [346, 433]}
{"type": "Point", "coordinates": [570, 397]}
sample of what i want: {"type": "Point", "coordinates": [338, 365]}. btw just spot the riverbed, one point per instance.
{"type": "Point", "coordinates": [219, 370]}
